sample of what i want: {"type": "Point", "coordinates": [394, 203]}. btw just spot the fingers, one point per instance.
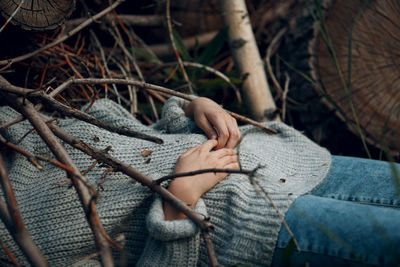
{"type": "Point", "coordinates": [208, 145]}
{"type": "Point", "coordinates": [235, 136]}
{"type": "Point", "coordinates": [232, 166]}
{"type": "Point", "coordinates": [224, 152]}
{"type": "Point", "coordinates": [205, 125]}
{"type": "Point", "coordinates": [228, 131]}
{"type": "Point", "coordinates": [223, 162]}
{"type": "Point", "coordinates": [218, 120]}
{"type": "Point", "coordinates": [190, 150]}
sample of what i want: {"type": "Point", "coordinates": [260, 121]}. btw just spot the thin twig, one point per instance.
{"type": "Point", "coordinates": [118, 38]}
{"type": "Point", "coordinates": [9, 254]}
{"type": "Point", "coordinates": [76, 113]}
{"type": "Point", "coordinates": [17, 119]}
{"type": "Point", "coordinates": [135, 20]}
{"type": "Point", "coordinates": [131, 90]}
{"type": "Point", "coordinates": [192, 173]}
{"type": "Point", "coordinates": [279, 213]}
{"type": "Point", "coordinates": [105, 65]}
{"type": "Point", "coordinates": [5, 215]}
{"type": "Point", "coordinates": [57, 164]}
{"type": "Point", "coordinates": [268, 61]}
{"type": "Point", "coordinates": [210, 249]}
{"type": "Point", "coordinates": [31, 158]}
{"type": "Point", "coordinates": [12, 15]}
{"type": "Point", "coordinates": [284, 96]}
{"type": "Point", "coordinates": [178, 57]}
{"type": "Point", "coordinates": [64, 37]}
{"type": "Point", "coordinates": [17, 230]}
{"type": "Point", "coordinates": [209, 69]}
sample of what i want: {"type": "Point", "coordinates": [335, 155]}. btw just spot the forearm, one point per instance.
{"type": "Point", "coordinates": [184, 193]}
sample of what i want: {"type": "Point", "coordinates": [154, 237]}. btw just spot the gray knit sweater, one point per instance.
{"type": "Point", "coordinates": [246, 225]}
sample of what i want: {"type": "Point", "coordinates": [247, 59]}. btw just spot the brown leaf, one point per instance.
{"type": "Point", "coordinates": [146, 152]}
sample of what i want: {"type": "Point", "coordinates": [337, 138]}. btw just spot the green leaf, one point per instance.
{"type": "Point", "coordinates": [180, 46]}
{"type": "Point", "coordinates": [209, 54]}
{"type": "Point", "coordinates": [147, 56]}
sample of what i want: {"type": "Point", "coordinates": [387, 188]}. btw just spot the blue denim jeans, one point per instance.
{"type": "Point", "coordinates": [351, 219]}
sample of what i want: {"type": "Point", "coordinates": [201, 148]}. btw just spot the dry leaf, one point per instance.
{"type": "Point", "coordinates": [146, 152]}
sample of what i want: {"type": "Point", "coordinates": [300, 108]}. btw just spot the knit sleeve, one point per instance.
{"type": "Point", "coordinates": [173, 118]}
{"type": "Point", "coordinates": [171, 243]}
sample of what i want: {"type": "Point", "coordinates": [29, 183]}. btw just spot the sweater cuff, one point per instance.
{"type": "Point", "coordinates": [173, 118]}
{"type": "Point", "coordinates": [163, 230]}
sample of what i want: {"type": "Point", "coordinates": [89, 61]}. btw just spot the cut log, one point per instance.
{"type": "Point", "coordinates": [374, 88]}
{"type": "Point", "coordinates": [37, 15]}
{"type": "Point", "coordinates": [193, 16]}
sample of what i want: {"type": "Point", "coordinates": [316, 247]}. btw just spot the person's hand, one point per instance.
{"type": "Point", "coordinates": [190, 189]}
{"type": "Point", "coordinates": [215, 122]}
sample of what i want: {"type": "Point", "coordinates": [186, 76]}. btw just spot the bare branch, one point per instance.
{"type": "Point", "coordinates": [5, 215]}
{"type": "Point", "coordinates": [210, 250]}
{"type": "Point", "coordinates": [268, 60]}
{"type": "Point", "coordinates": [192, 173]}
{"type": "Point", "coordinates": [31, 158]}
{"type": "Point", "coordinates": [12, 15]}
{"type": "Point", "coordinates": [207, 68]}
{"type": "Point", "coordinates": [76, 113]}
{"type": "Point", "coordinates": [135, 20]}
{"type": "Point", "coordinates": [284, 95]}
{"type": "Point", "coordinates": [9, 254]}
{"type": "Point", "coordinates": [253, 181]}
{"type": "Point", "coordinates": [17, 228]}
{"type": "Point", "coordinates": [178, 57]}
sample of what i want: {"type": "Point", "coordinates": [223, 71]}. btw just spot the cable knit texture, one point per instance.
{"type": "Point", "coordinates": [246, 225]}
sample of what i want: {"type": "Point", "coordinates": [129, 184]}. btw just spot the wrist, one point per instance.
{"type": "Point", "coordinates": [185, 191]}
{"type": "Point", "coordinates": [181, 190]}
{"type": "Point", "coordinates": [188, 109]}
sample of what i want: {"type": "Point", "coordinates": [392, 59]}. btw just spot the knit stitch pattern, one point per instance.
{"type": "Point", "coordinates": [246, 225]}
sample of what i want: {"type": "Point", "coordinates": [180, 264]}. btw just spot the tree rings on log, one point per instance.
{"type": "Point", "coordinates": [37, 15]}
{"type": "Point", "coordinates": [374, 88]}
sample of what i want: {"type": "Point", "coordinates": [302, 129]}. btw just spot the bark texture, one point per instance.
{"type": "Point", "coordinates": [247, 58]}
{"type": "Point", "coordinates": [37, 15]}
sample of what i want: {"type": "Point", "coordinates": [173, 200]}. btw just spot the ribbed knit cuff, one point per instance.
{"type": "Point", "coordinates": [163, 230]}
{"type": "Point", "coordinates": [173, 118]}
